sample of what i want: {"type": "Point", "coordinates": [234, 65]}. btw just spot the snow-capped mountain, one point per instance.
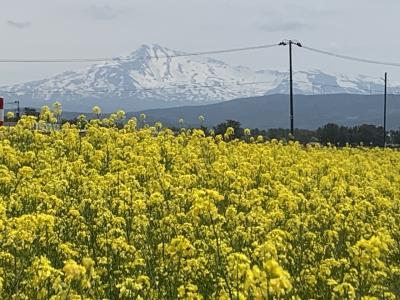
{"type": "Point", "coordinates": [156, 77]}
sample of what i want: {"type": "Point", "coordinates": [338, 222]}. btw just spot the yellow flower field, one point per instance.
{"type": "Point", "coordinates": [148, 214]}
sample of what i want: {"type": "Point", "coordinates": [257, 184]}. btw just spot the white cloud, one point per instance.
{"type": "Point", "coordinates": [19, 25]}
{"type": "Point", "coordinates": [102, 12]}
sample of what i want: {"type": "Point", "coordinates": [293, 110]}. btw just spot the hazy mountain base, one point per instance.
{"type": "Point", "coordinates": [81, 104]}
{"type": "Point", "coordinates": [272, 111]}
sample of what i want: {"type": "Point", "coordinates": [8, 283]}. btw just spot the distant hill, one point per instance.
{"type": "Point", "coordinates": [272, 111]}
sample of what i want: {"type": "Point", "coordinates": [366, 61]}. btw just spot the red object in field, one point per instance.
{"type": "Point", "coordinates": [1, 111]}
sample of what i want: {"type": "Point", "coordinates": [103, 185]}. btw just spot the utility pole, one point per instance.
{"type": "Point", "coordinates": [1, 112]}
{"type": "Point", "coordinates": [384, 112]}
{"type": "Point", "coordinates": [18, 110]}
{"type": "Point", "coordinates": [291, 114]}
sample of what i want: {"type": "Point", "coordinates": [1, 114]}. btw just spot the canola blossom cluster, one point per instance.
{"type": "Point", "coordinates": [128, 213]}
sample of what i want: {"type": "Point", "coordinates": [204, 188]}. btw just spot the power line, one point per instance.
{"type": "Point", "coordinates": [176, 87]}
{"type": "Point", "coordinates": [88, 60]}
{"type": "Point", "coordinates": [219, 51]}
{"type": "Point", "coordinates": [321, 84]}
{"type": "Point", "coordinates": [363, 60]}
{"type": "Point", "coordinates": [142, 89]}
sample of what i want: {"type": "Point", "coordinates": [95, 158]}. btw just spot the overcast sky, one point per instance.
{"type": "Point", "coordinates": [107, 28]}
